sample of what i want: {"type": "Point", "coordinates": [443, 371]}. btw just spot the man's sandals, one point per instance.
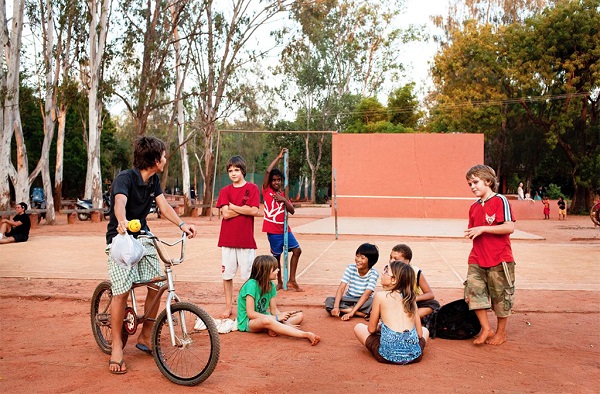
{"type": "Point", "coordinates": [119, 371]}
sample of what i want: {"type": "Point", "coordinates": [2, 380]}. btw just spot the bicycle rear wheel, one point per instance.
{"type": "Point", "coordinates": [595, 214]}
{"type": "Point", "coordinates": [196, 352]}
{"type": "Point", "coordinates": [100, 318]}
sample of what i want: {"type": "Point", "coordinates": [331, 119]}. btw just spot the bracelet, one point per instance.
{"type": "Point", "coordinates": [276, 318]}
{"type": "Point", "coordinates": [180, 224]}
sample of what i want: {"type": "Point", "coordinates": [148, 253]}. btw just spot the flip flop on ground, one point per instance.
{"type": "Point", "coordinates": [144, 348]}
{"type": "Point", "coordinates": [119, 371]}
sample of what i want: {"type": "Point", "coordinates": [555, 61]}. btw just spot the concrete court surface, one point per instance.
{"type": "Point", "coordinates": [541, 265]}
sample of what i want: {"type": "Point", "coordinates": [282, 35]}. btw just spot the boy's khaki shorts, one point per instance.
{"type": "Point", "coordinates": [488, 288]}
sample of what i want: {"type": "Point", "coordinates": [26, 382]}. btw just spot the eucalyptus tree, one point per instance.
{"type": "Point", "coordinates": [222, 58]}
{"type": "Point", "coordinates": [339, 49]}
{"type": "Point", "coordinates": [10, 117]}
{"type": "Point", "coordinates": [99, 11]}
{"type": "Point", "coordinates": [60, 27]}
{"type": "Point", "coordinates": [145, 68]}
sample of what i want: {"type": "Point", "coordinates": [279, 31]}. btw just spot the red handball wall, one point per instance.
{"type": "Point", "coordinates": [404, 175]}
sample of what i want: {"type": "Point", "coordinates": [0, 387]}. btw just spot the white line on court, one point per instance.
{"type": "Point", "coordinates": [315, 260]}
{"type": "Point", "coordinates": [460, 278]}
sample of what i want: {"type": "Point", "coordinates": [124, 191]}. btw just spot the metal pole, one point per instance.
{"type": "Point", "coordinates": [335, 204]}
{"type": "Point", "coordinates": [215, 174]}
{"type": "Point", "coordinates": [285, 222]}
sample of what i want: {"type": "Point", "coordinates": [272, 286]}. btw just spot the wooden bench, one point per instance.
{"type": "Point", "coordinates": [96, 214]}
{"type": "Point", "coordinates": [34, 215]}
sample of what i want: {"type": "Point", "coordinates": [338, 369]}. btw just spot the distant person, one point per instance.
{"type": "Point", "coordinates": [426, 302]}
{"type": "Point", "coordinates": [521, 195]}
{"type": "Point", "coordinates": [17, 229]}
{"type": "Point", "coordinates": [562, 208]}
{"type": "Point", "coordinates": [546, 203]}
{"type": "Point", "coordinates": [274, 213]}
{"type": "Point", "coordinates": [399, 338]}
{"type": "Point", "coordinates": [354, 295]}
{"type": "Point", "coordinates": [257, 310]}
{"type": "Point", "coordinates": [491, 272]}
{"type": "Point", "coordinates": [539, 194]}
{"type": "Point", "coordinates": [238, 203]}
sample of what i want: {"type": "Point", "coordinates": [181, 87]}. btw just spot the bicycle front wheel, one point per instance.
{"type": "Point", "coordinates": [196, 352]}
{"type": "Point", "coordinates": [100, 318]}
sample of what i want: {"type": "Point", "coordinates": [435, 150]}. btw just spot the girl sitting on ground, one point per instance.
{"type": "Point", "coordinates": [399, 338]}
{"type": "Point", "coordinates": [257, 310]}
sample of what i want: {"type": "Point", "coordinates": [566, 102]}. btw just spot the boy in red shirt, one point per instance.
{"type": "Point", "coordinates": [238, 203]}
{"type": "Point", "coordinates": [275, 206]}
{"type": "Point", "coordinates": [491, 273]}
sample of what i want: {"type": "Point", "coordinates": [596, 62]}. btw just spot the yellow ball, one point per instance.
{"type": "Point", "coordinates": [134, 225]}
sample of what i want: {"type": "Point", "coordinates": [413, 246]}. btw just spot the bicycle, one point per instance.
{"type": "Point", "coordinates": [185, 339]}
{"type": "Point", "coordinates": [595, 213]}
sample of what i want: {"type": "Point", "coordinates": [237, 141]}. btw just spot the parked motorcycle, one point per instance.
{"type": "Point", "coordinates": [155, 209]}
{"type": "Point", "coordinates": [38, 201]}
{"type": "Point", "coordinates": [87, 204]}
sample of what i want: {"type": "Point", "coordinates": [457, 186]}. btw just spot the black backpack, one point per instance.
{"type": "Point", "coordinates": [453, 321]}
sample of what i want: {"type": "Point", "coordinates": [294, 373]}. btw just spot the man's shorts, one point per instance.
{"type": "Point", "coordinates": [232, 258]}
{"type": "Point", "coordinates": [488, 288]}
{"type": "Point", "coordinates": [562, 212]}
{"type": "Point", "coordinates": [122, 278]}
{"type": "Point", "coordinates": [276, 242]}
{"type": "Point", "coordinates": [373, 341]}
{"type": "Point", "coordinates": [18, 236]}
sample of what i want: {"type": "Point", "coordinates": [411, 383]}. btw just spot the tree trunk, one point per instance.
{"type": "Point", "coordinates": [97, 43]}
{"type": "Point", "coordinates": [60, 148]}
{"type": "Point", "coordinates": [209, 167]}
{"type": "Point", "coordinates": [11, 118]}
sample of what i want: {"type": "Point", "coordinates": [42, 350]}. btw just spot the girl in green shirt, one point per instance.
{"type": "Point", "coordinates": [257, 310]}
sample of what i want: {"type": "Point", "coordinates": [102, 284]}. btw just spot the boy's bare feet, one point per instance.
{"type": "Point", "coordinates": [272, 333]}
{"type": "Point", "coordinates": [295, 286]}
{"type": "Point", "coordinates": [483, 336]}
{"type": "Point", "coordinates": [313, 338]}
{"type": "Point", "coordinates": [496, 340]}
{"type": "Point", "coordinates": [226, 313]}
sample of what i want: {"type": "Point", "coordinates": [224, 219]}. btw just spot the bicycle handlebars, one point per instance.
{"type": "Point", "coordinates": [156, 241]}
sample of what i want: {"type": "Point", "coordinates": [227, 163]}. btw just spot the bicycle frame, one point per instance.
{"type": "Point", "coordinates": [169, 286]}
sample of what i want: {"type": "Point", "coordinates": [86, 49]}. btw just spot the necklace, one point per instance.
{"type": "Point", "coordinates": [486, 200]}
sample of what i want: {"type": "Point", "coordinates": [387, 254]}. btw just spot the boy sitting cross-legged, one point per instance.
{"type": "Point", "coordinates": [354, 296]}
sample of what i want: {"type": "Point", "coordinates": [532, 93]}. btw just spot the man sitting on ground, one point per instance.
{"type": "Point", "coordinates": [17, 229]}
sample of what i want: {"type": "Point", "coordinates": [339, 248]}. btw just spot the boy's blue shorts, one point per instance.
{"type": "Point", "coordinates": [276, 242]}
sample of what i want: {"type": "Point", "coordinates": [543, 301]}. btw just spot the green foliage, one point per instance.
{"type": "Point", "coordinates": [403, 107]}
{"type": "Point", "coordinates": [553, 191]}
{"type": "Point", "coordinates": [531, 87]}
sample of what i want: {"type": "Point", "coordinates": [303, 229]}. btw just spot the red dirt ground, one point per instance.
{"type": "Point", "coordinates": [553, 344]}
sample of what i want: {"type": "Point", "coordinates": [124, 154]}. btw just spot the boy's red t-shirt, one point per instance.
{"type": "Point", "coordinates": [274, 213]}
{"type": "Point", "coordinates": [490, 250]}
{"type": "Point", "coordinates": [238, 232]}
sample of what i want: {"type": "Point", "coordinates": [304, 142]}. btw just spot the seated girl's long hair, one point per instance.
{"type": "Point", "coordinates": [405, 284]}
{"type": "Point", "coordinates": [262, 266]}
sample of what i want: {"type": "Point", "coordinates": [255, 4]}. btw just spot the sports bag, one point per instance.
{"type": "Point", "coordinates": [454, 321]}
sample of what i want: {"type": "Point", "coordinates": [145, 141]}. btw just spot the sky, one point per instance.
{"type": "Point", "coordinates": [416, 57]}
{"type": "Point", "coordinates": [419, 55]}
